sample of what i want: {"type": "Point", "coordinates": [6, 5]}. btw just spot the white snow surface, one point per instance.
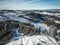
{"type": "Point", "coordinates": [42, 26]}
{"type": "Point", "coordinates": [12, 16]}
{"type": "Point", "coordinates": [33, 40]}
{"type": "Point", "coordinates": [57, 22]}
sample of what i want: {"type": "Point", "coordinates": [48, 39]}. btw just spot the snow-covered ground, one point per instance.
{"type": "Point", "coordinates": [29, 40]}
{"type": "Point", "coordinates": [33, 40]}
{"type": "Point", "coordinates": [57, 22]}
{"type": "Point", "coordinates": [55, 14]}
{"type": "Point", "coordinates": [12, 16]}
{"type": "Point", "coordinates": [42, 26]}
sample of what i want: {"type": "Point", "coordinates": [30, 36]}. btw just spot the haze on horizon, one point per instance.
{"type": "Point", "coordinates": [29, 4]}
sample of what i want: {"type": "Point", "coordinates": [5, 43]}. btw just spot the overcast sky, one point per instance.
{"type": "Point", "coordinates": [29, 4]}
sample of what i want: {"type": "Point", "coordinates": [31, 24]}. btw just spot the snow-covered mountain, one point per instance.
{"type": "Point", "coordinates": [46, 22]}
